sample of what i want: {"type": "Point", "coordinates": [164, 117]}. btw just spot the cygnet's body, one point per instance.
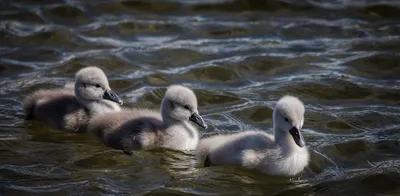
{"type": "Point", "coordinates": [283, 153]}
{"type": "Point", "coordinates": [135, 129]}
{"type": "Point", "coordinates": [70, 108]}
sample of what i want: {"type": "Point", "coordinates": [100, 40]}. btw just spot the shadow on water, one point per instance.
{"type": "Point", "coordinates": [239, 56]}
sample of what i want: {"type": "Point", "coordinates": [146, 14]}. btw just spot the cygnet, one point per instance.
{"type": "Point", "coordinates": [283, 153]}
{"type": "Point", "coordinates": [135, 129]}
{"type": "Point", "coordinates": [71, 108]}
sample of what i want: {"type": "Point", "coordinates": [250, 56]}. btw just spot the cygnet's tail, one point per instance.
{"type": "Point", "coordinates": [30, 103]}
{"type": "Point", "coordinates": [207, 162]}
{"type": "Point", "coordinates": [29, 107]}
{"type": "Point", "coordinates": [206, 145]}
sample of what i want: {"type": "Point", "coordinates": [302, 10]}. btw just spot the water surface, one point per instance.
{"type": "Point", "coordinates": [340, 57]}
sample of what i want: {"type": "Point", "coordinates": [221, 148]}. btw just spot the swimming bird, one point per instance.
{"type": "Point", "coordinates": [283, 153]}
{"type": "Point", "coordinates": [71, 107]}
{"type": "Point", "coordinates": [136, 129]}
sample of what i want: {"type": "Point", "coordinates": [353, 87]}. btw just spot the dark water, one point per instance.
{"type": "Point", "coordinates": [341, 57]}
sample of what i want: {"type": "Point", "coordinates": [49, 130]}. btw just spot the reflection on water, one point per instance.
{"type": "Point", "coordinates": [240, 56]}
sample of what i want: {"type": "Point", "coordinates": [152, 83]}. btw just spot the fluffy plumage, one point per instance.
{"type": "Point", "coordinates": [134, 129]}
{"type": "Point", "coordinates": [283, 153]}
{"type": "Point", "coordinates": [71, 108]}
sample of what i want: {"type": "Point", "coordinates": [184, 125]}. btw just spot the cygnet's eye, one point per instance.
{"type": "Point", "coordinates": [187, 107]}
{"type": "Point", "coordinates": [286, 119]}
{"type": "Point", "coordinates": [97, 85]}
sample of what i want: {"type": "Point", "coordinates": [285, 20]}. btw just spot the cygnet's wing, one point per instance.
{"type": "Point", "coordinates": [128, 130]}
{"type": "Point", "coordinates": [229, 148]}
{"type": "Point", "coordinates": [57, 108]}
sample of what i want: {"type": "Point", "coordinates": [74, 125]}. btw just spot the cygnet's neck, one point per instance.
{"type": "Point", "coordinates": [168, 121]}
{"type": "Point", "coordinates": [96, 107]}
{"type": "Point", "coordinates": [285, 140]}
{"type": "Point", "coordinates": [184, 125]}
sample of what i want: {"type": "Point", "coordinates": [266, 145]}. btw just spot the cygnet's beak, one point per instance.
{"type": "Point", "coordinates": [110, 95]}
{"type": "Point", "coordinates": [297, 137]}
{"type": "Point", "coordinates": [196, 118]}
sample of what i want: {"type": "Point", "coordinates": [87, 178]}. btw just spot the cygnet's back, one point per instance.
{"type": "Point", "coordinates": [128, 129]}
{"type": "Point", "coordinates": [135, 129]}
{"type": "Point", "coordinates": [229, 144]}
{"type": "Point", "coordinates": [71, 108]}
{"type": "Point", "coordinates": [283, 153]}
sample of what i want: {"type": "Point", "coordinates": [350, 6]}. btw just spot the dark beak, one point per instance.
{"type": "Point", "coordinates": [297, 137]}
{"type": "Point", "coordinates": [196, 118]}
{"type": "Point", "coordinates": [112, 96]}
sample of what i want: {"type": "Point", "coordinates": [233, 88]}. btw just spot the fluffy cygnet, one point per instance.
{"type": "Point", "coordinates": [70, 108]}
{"type": "Point", "coordinates": [283, 153]}
{"type": "Point", "coordinates": [134, 129]}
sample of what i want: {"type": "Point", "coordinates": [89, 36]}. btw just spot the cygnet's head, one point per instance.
{"type": "Point", "coordinates": [289, 117]}
{"type": "Point", "coordinates": [180, 104]}
{"type": "Point", "coordinates": [91, 84]}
